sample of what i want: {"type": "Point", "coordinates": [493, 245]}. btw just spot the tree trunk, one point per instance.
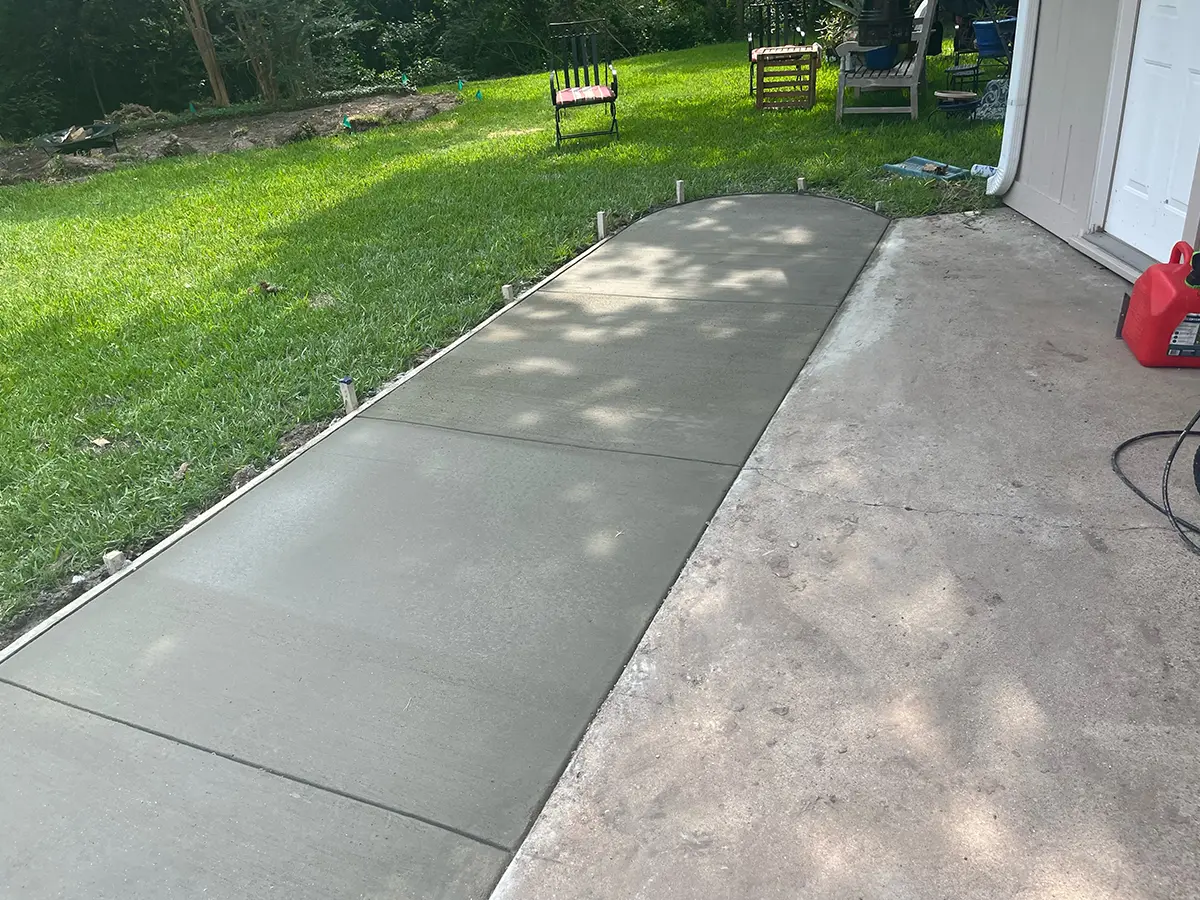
{"type": "Point", "coordinates": [252, 34]}
{"type": "Point", "coordinates": [197, 20]}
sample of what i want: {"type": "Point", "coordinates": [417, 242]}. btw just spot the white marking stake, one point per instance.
{"type": "Point", "coordinates": [349, 395]}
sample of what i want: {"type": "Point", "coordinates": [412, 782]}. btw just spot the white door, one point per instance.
{"type": "Point", "coordinates": [1160, 132]}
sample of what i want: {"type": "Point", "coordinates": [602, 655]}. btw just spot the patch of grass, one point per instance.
{"type": "Point", "coordinates": [129, 309]}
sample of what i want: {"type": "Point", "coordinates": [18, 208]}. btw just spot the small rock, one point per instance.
{"type": "Point", "coordinates": [115, 561]}
{"type": "Point", "coordinates": [781, 710]}
{"type": "Point", "coordinates": [842, 749]}
{"type": "Point", "coordinates": [181, 471]}
{"type": "Point", "coordinates": [78, 586]}
{"type": "Point", "coordinates": [793, 544]}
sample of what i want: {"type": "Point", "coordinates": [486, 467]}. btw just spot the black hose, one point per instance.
{"type": "Point", "coordinates": [1183, 526]}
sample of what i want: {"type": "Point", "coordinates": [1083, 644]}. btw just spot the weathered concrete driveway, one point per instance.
{"type": "Point", "coordinates": [363, 677]}
{"type": "Point", "coordinates": [929, 647]}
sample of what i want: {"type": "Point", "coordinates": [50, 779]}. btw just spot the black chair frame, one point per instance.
{"type": "Point", "coordinates": [580, 57]}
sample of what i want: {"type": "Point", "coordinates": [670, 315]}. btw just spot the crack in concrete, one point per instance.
{"type": "Point", "coordinates": [948, 511]}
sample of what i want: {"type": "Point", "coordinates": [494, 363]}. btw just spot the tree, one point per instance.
{"type": "Point", "coordinates": [66, 62]}
{"type": "Point", "coordinates": [296, 48]}
{"type": "Point", "coordinates": [197, 21]}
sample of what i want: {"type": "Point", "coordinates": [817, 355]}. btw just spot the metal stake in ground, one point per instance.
{"type": "Point", "coordinates": [679, 191]}
{"type": "Point", "coordinates": [801, 185]}
{"type": "Point", "coordinates": [349, 395]}
{"type": "Point", "coordinates": [601, 231]}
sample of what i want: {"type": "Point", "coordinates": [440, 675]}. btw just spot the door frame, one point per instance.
{"type": "Point", "coordinates": [1110, 129]}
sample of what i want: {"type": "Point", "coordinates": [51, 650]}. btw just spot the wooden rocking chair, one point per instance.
{"type": "Point", "coordinates": [580, 54]}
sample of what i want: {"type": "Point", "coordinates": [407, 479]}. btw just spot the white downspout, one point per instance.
{"type": "Point", "coordinates": [1019, 84]}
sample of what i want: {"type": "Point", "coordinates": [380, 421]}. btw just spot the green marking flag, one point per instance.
{"type": "Point", "coordinates": [460, 84]}
{"type": "Point", "coordinates": [479, 95]}
{"type": "Point", "coordinates": [346, 123]}
{"type": "Point", "coordinates": [192, 107]}
{"type": "Point", "coordinates": [403, 78]}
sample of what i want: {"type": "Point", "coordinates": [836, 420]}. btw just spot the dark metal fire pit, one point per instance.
{"type": "Point", "coordinates": [80, 138]}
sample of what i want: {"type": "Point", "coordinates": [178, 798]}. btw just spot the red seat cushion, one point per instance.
{"type": "Point", "coordinates": [577, 96]}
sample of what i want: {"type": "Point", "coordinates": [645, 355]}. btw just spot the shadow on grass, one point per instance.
{"type": "Point", "coordinates": [384, 244]}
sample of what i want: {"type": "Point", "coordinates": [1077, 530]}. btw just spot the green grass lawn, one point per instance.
{"type": "Point", "coordinates": [128, 310]}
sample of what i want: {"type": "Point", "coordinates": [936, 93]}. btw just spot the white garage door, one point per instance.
{"type": "Point", "coordinates": [1160, 132]}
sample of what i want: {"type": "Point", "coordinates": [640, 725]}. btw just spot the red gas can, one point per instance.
{"type": "Point", "coordinates": [1161, 318]}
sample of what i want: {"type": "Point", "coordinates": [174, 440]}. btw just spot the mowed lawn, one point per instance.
{"type": "Point", "coordinates": [129, 309]}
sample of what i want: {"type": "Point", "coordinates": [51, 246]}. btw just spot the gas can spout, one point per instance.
{"type": "Point", "coordinates": [1193, 280]}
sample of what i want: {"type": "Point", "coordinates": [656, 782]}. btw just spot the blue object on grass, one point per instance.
{"type": "Point", "coordinates": [913, 168]}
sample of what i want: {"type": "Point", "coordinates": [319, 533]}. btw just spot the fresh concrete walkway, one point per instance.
{"type": "Point", "coordinates": [929, 647]}
{"type": "Point", "coordinates": [363, 677]}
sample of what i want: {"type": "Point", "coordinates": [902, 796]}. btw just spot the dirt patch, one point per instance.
{"type": "Point", "coordinates": [276, 129]}
{"type": "Point", "coordinates": [50, 602]}
{"type": "Point", "coordinates": [299, 436]}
